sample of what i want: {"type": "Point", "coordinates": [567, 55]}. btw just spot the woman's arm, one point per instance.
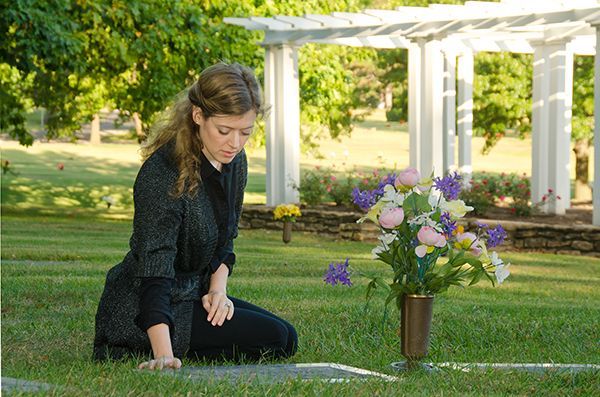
{"type": "Point", "coordinates": [216, 302]}
{"type": "Point", "coordinates": [161, 348]}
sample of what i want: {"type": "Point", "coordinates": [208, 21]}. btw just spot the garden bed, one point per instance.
{"type": "Point", "coordinates": [572, 233]}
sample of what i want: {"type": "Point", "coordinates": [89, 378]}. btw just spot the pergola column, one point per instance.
{"type": "Point", "coordinates": [282, 124]}
{"type": "Point", "coordinates": [540, 133]}
{"type": "Point", "coordinates": [596, 188]}
{"type": "Point", "coordinates": [553, 98]}
{"type": "Point", "coordinates": [414, 101]}
{"type": "Point", "coordinates": [465, 113]}
{"type": "Point", "coordinates": [426, 114]}
{"type": "Point", "coordinates": [449, 126]}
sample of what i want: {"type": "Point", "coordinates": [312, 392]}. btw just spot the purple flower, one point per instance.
{"type": "Point", "coordinates": [449, 185]}
{"type": "Point", "coordinates": [338, 273]}
{"type": "Point", "coordinates": [448, 225]}
{"type": "Point", "coordinates": [389, 179]}
{"type": "Point", "coordinates": [364, 198]}
{"type": "Point", "coordinates": [496, 236]}
{"type": "Point", "coordinates": [481, 225]}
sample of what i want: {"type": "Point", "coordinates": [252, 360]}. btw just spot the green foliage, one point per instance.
{"type": "Point", "coordinates": [502, 95]}
{"type": "Point", "coordinates": [583, 99]}
{"type": "Point", "coordinates": [483, 191]}
{"type": "Point", "coordinates": [14, 103]}
{"type": "Point", "coordinates": [313, 185]}
{"type": "Point", "coordinates": [394, 68]}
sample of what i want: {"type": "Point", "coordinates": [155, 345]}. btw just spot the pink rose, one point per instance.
{"type": "Point", "coordinates": [391, 217]}
{"type": "Point", "coordinates": [409, 177]}
{"type": "Point", "coordinates": [430, 237]}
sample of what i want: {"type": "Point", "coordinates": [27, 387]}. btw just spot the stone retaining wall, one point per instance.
{"type": "Point", "coordinates": [527, 236]}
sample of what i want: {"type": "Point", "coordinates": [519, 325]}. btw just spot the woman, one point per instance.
{"type": "Point", "coordinates": [169, 295]}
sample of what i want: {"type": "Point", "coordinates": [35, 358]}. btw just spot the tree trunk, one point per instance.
{"type": "Point", "coordinates": [139, 131]}
{"type": "Point", "coordinates": [389, 97]}
{"type": "Point", "coordinates": [582, 160]}
{"type": "Point", "coordinates": [95, 130]}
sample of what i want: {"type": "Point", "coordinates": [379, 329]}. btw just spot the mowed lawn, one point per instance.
{"type": "Point", "coordinates": [53, 271]}
{"type": "Point", "coordinates": [59, 239]}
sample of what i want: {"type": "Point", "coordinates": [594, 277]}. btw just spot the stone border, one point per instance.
{"type": "Point", "coordinates": [522, 236]}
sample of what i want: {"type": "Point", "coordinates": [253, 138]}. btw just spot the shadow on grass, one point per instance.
{"type": "Point", "coordinates": [81, 184]}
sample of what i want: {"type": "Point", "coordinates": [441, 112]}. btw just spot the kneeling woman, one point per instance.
{"type": "Point", "coordinates": [168, 296]}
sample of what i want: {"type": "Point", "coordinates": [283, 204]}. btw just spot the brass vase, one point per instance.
{"type": "Point", "coordinates": [415, 326]}
{"type": "Point", "coordinates": [287, 231]}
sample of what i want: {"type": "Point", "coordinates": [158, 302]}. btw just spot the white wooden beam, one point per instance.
{"type": "Point", "coordinates": [415, 79]}
{"type": "Point", "coordinates": [430, 108]}
{"type": "Point", "coordinates": [283, 124]}
{"type": "Point", "coordinates": [596, 188]}
{"type": "Point", "coordinates": [449, 126]}
{"type": "Point", "coordinates": [560, 101]}
{"type": "Point", "coordinates": [465, 113]}
{"type": "Point", "coordinates": [540, 136]}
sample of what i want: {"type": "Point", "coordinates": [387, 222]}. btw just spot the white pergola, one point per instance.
{"type": "Point", "coordinates": [441, 41]}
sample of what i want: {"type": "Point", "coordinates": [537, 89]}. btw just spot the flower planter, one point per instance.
{"type": "Point", "coordinates": [287, 231]}
{"type": "Point", "coordinates": [415, 327]}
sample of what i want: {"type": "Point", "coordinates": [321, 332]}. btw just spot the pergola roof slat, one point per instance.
{"type": "Point", "coordinates": [561, 20]}
{"type": "Point", "coordinates": [272, 23]}
{"type": "Point", "coordinates": [359, 19]}
{"type": "Point", "coordinates": [328, 20]}
{"type": "Point", "coordinates": [299, 22]}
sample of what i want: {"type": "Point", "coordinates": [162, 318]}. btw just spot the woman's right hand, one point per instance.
{"type": "Point", "coordinates": [160, 363]}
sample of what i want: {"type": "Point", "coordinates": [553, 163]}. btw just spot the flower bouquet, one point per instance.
{"type": "Point", "coordinates": [288, 214]}
{"type": "Point", "coordinates": [425, 247]}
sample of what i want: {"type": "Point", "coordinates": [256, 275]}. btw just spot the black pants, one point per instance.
{"type": "Point", "coordinates": [251, 334]}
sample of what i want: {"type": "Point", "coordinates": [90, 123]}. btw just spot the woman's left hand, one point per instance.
{"type": "Point", "coordinates": [161, 363]}
{"type": "Point", "coordinates": [218, 306]}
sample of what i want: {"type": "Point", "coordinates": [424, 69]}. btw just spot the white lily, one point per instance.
{"type": "Point", "coordinates": [502, 272]}
{"type": "Point", "coordinates": [376, 251]}
{"type": "Point", "coordinates": [387, 238]}
{"type": "Point", "coordinates": [456, 208]}
{"type": "Point", "coordinates": [435, 198]}
{"type": "Point", "coordinates": [391, 197]}
{"type": "Point", "coordinates": [425, 220]}
{"type": "Point", "coordinates": [496, 261]}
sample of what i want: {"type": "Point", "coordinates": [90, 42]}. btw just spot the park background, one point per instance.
{"type": "Point", "coordinates": [68, 66]}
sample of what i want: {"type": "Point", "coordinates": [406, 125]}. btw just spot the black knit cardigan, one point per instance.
{"type": "Point", "coordinates": [172, 238]}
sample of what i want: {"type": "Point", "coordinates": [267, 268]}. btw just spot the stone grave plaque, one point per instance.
{"type": "Point", "coordinates": [273, 373]}
{"type": "Point", "coordinates": [22, 385]}
{"type": "Point", "coordinates": [527, 367]}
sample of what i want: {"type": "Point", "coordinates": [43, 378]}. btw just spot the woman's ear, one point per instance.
{"type": "Point", "coordinates": [197, 115]}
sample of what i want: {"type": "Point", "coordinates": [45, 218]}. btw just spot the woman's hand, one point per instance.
{"type": "Point", "coordinates": [161, 363]}
{"type": "Point", "coordinates": [218, 306]}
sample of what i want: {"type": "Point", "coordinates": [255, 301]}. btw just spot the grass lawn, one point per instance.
{"type": "Point", "coordinates": [59, 239]}
{"type": "Point", "coordinates": [54, 267]}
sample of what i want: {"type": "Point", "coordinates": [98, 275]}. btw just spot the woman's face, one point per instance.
{"type": "Point", "coordinates": [224, 136]}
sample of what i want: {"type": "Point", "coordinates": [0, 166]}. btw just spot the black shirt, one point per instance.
{"type": "Point", "coordinates": [155, 292]}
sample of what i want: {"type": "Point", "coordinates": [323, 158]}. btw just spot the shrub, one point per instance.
{"type": "Point", "coordinates": [313, 188]}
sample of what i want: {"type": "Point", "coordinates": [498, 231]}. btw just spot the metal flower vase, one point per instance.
{"type": "Point", "coordinates": [415, 326]}
{"type": "Point", "coordinates": [287, 231]}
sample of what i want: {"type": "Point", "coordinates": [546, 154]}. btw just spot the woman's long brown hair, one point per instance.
{"type": "Point", "coordinates": [221, 90]}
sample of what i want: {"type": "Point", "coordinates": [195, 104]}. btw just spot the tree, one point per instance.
{"type": "Point", "coordinates": [501, 96]}
{"type": "Point", "coordinates": [583, 123]}
{"type": "Point", "coordinates": [136, 55]}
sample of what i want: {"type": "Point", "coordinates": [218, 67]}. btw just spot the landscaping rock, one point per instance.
{"type": "Point", "coordinates": [565, 238]}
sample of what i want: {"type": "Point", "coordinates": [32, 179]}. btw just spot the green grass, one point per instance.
{"type": "Point", "coordinates": [53, 273]}
{"type": "Point", "coordinates": [59, 239]}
